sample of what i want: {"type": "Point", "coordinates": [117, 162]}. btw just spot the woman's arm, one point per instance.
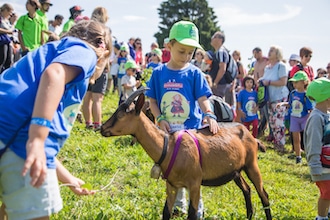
{"type": "Point", "coordinates": [66, 177]}
{"type": "Point", "coordinates": [49, 94]}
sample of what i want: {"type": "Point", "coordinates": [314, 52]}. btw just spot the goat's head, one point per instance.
{"type": "Point", "coordinates": [122, 121]}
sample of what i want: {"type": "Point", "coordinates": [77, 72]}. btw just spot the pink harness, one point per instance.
{"type": "Point", "coordinates": [176, 150]}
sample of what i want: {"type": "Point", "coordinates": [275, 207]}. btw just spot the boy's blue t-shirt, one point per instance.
{"type": "Point", "coordinates": [177, 92]}
{"type": "Point", "coordinates": [153, 65]}
{"type": "Point", "coordinates": [299, 104]}
{"type": "Point", "coordinates": [18, 89]}
{"type": "Point", "coordinates": [248, 102]}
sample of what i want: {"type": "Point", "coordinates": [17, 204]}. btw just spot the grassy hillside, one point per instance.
{"type": "Point", "coordinates": [134, 195]}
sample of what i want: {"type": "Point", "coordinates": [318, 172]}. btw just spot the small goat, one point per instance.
{"type": "Point", "coordinates": [222, 155]}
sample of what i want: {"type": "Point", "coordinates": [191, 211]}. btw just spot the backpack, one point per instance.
{"type": "Point", "coordinates": [325, 153]}
{"type": "Point", "coordinates": [231, 68]}
{"type": "Point", "coordinates": [221, 109]}
{"type": "Point", "coordinates": [262, 95]}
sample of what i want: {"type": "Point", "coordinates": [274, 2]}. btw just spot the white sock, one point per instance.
{"type": "Point", "coordinates": [321, 218]}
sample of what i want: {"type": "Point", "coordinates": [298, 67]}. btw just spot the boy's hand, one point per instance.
{"type": "Point", "coordinates": [164, 125]}
{"type": "Point", "coordinates": [213, 125]}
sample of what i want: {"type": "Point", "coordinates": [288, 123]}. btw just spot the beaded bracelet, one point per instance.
{"type": "Point", "coordinates": [40, 121]}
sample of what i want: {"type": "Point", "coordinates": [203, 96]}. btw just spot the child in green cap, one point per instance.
{"type": "Point", "coordinates": [179, 91]}
{"type": "Point", "coordinates": [128, 82]}
{"type": "Point", "coordinates": [299, 108]}
{"type": "Point", "coordinates": [315, 142]}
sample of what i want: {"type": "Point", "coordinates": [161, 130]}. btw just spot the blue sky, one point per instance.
{"type": "Point", "coordinates": [247, 24]}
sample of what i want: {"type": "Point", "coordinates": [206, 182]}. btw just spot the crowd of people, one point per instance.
{"type": "Point", "coordinates": [176, 74]}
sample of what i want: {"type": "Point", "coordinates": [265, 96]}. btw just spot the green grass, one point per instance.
{"type": "Point", "coordinates": [134, 195]}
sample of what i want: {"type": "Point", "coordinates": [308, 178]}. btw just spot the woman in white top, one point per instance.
{"type": "Point", "coordinates": [275, 78]}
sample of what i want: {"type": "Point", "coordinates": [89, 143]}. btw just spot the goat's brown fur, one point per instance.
{"type": "Point", "coordinates": [224, 155]}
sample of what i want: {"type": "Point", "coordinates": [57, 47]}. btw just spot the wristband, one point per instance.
{"type": "Point", "coordinates": [160, 118]}
{"type": "Point", "coordinates": [210, 115]}
{"type": "Point", "coordinates": [40, 121]}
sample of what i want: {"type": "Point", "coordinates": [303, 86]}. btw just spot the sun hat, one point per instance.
{"type": "Point", "coordinates": [130, 64]}
{"type": "Point", "coordinates": [186, 33]}
{"type": "Point", "coordinates": [45, 2]}
{"type": "Point", "coordinates": [318, 90]}
{"type": "Point", "coordinates": [294, 57]}
{"type": "Point", "coordinates": [298, 76]}
{"type": "Point", "coordinates": [158, 52]}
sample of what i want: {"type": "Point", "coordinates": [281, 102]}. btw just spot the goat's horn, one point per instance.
{"type": "Point", "coordinates": [135, 94]}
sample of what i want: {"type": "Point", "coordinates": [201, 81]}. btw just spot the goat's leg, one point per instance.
{"type": "Point", "coordinates": [242, 184]}
{"type": "Point", "coordinates": [254, 175]}
{"type": "Point", "coordinates": [171, 192]}
{"type": "Point", "coordinates": [194, 195]}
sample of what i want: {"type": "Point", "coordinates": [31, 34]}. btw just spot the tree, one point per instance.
{"type": "Point", "coordinates": [196, 11]}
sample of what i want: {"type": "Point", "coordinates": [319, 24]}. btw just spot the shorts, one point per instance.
{"type": "Point", "coordinates": [324, 187]}
{"type": "Point", "coordinates": [298, 124]}
{"type": "Point", "coordinates": [21, 199]}
{"type": "Point", "coordinates": [100, 84]}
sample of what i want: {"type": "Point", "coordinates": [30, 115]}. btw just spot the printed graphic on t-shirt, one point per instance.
{"type": "Point", "coordinates": [250, 105]}
{"type": "Point", "coordinates": [70, 114]}
{"type": "Point", "coordinates": [297, 108]}
{"type": "Point", "coordinates": [175, 108]}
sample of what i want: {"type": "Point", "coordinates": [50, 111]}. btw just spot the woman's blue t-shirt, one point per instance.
{"type": "Point", "coordinates": [18, 89]}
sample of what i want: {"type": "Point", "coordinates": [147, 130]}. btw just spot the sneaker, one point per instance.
{"type": "Point", "coordinates": [298, 160]}
{"type": "Point", "coordinates": [89, 126]}
{"type": "Point", "coordinates": [97, 127]}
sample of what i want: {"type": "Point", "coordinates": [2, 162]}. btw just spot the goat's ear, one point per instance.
{"type": "Point", "coordinates": [139, 103]}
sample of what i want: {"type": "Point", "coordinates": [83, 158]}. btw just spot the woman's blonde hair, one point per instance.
{"type": "Point", "coordinates": [98, 37]}
{"type": "Point", "coordinates": [100, 14]}
{"type": "Point", "coordinates": [279, 53]}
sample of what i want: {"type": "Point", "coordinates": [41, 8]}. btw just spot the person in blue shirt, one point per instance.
{"type": "Point", "coordinates": [247, 105]}
{"type": "Point", "coordinates": [40, 97]}
{"type": "Point", "coordinates": [299, 108]}
{"type": "Point", "coordinates": [179, 91]}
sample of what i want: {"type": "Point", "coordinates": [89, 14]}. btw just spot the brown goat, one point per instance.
{"type": "Point", "coordinates": [223, 156]}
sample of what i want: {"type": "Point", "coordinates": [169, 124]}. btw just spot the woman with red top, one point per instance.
{"type": "Point", "coordinates": [139, 59]}
{"type": "Point", "coordinates": [305, 55]}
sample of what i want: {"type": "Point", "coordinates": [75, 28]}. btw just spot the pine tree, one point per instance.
{"type": "Point", "coordinates": [196, 11]}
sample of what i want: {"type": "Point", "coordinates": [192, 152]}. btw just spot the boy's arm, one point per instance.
{"type": "Point", "coordinates": [313, 144]}
{"type": "Point", "coordinates": [53, 79]}
{"type": "Point", "coordinates": [163, 124]}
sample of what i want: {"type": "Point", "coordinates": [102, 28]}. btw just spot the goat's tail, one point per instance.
{"type": "Point", "coordinates": [261, 146]}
